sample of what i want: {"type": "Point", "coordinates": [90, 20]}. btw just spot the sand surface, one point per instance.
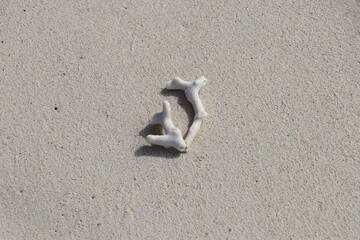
{"type": "Point", "coordinates": [277, 157]}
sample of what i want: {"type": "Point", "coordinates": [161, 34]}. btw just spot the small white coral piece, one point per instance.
{"type": "Point", "coordinates": [192, 95]}
{"type": "Point", "coordinates": [172, 137]}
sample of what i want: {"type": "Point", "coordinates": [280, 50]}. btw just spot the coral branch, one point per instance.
{"type": "Point", "coordinates": [192, 95]}
{"type": "Point", "coordinates": [173, 137]}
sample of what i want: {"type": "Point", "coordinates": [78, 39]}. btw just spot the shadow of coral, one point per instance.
{"type": "Point", "coordinates": [151, 129]}
{"type": "Point", "coordinates": [156, 151]}
{"type": "Point", "coordinates": [183, 102]}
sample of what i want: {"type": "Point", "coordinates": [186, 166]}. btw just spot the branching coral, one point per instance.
{"type": "Point", "coordinates": [172, 137]}
{"type": "Point", "coordinates": [192, 95]}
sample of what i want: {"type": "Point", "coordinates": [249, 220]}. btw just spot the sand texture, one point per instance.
{"type": "Point", "coordinates": [278, 156]}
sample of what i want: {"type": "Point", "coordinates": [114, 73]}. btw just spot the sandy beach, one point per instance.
{"type": "Point", "coordinates": [278, 156]}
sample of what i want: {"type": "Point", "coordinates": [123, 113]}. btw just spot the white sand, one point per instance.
{"type": "Point", "coordinates": [277, 157]}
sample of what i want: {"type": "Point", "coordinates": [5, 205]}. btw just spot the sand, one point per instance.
{"type": "Point", "coordinates": [277, 157]}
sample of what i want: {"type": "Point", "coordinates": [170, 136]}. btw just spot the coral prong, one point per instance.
{"type": "Point", "coordinates": [192, 95]}
{"type": "Point", "coordinates": [172, 137]}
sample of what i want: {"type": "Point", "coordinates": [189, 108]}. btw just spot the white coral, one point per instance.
{"type": "Point", "coordinates": [172, 137]}
{"type": "Point", "coordinates": [192, 95]}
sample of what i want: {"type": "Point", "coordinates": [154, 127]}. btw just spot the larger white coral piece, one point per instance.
{"type": "Point", "coordinates": [192, 94]}
{"type": "Point", "coordinates": [172, 137]}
